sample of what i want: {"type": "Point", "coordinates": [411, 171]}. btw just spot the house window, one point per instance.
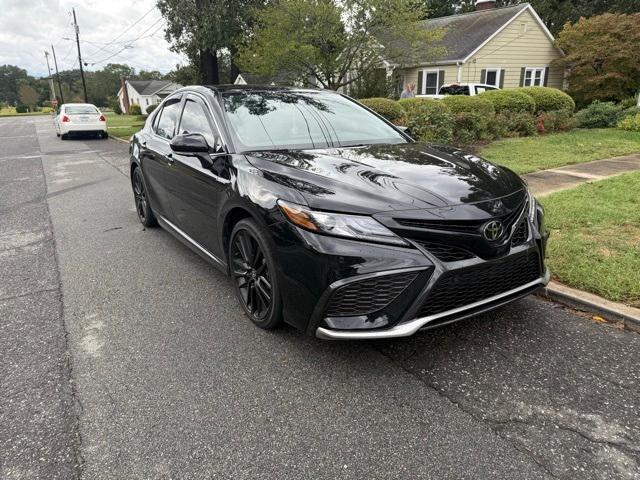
{"type": "Point", "coordinates": [493, 77]}
{"type": "Point", "coordinates": [430, 82]}
{"type": "Point", "coordinates": [534, 77]}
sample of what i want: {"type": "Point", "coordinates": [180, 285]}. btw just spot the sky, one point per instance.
{"type": "Point", "coordinates": [29, 27]}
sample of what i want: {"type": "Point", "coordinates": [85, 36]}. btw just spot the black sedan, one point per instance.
{"type": "Point", "coordinates": [331, 219]}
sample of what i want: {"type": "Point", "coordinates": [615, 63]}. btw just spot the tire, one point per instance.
{"type": "Point", "coordinates": [104, 135]}
{"type": "Point", "coordinates": [254, 274]}
{"type": "Point", "coordinates": [64, 136]}
{"type": "Point", "coordinates": [143, 208]}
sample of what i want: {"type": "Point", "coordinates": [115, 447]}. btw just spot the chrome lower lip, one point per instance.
{"type": "Point", "coordinates": [409, 328]}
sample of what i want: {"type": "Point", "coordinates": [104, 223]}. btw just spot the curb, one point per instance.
{"type": "Point", "coordinates": [116, 139]}
{"type": "Point", "coordinates": [612, 311]}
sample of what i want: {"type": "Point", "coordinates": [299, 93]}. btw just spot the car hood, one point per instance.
{"type": "Point", "coordinates": [381, 178]}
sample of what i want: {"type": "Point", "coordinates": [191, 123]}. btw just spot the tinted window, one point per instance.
{"type": "Point", "coordinates": [166, 124]}
{"type": "Point", "coordinates": [195, 120]}
{"type": "Point", "coordinates": [295, 120]}
{"type": "Point", "coordinates": [80, 110]}
{"type": "Point", "coordinates": [455, 90]}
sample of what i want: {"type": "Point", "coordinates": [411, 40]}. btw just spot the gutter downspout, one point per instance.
{"type": "Point", "coordinates": [459, 65]}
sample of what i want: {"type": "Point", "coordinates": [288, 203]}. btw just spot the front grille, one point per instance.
{"type": "Point", "coordinates": [464, 226]}
{"type": "Point", "coordinates": [521, 234]}
{"type": "Point", "coordinates": [446, 253]}
{"type": "Point", "coordinates": [458, 288]}
{"type": "Point", "coordinates": [367, 296]}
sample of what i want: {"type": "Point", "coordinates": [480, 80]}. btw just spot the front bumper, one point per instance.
{"type": "Point", "coordinates": [409, 328]}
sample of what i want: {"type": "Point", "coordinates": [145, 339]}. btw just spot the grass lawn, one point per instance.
{"type": "Point", "coordinates": [11, 112]}
{"type": "Point", "coordinates": [595, 237]}
{"type": "Point", "coordinates": [123, 126]}
{"type": "Point", "coordinates": [524, 155]}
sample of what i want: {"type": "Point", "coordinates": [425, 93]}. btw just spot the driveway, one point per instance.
{"type": "Point", "coordinates": [126, 356]}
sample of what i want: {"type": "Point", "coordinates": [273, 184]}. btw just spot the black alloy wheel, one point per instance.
{"type": "Point", "coordinates": [145, 214]}
{"type": "Point", "coordinates": [252, 270]}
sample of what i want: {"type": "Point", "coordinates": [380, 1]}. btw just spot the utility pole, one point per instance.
{"type": "Point", "coordinates": [84, 84]}
{"type": "Point", "coordinates": [51, 87]}
{"type": "Point", "coordinates": [55, 62]}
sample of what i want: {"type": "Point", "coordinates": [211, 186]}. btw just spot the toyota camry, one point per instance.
{"type": "Point", "coordinates": [330, 218]}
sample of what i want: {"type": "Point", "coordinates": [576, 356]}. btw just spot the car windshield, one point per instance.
{"type": "Point", "coordinates": [277, 120]}
{"type": "Point", "coordinates": [455, 90]}
{"type": "Point", "coordinates": [80, 109]}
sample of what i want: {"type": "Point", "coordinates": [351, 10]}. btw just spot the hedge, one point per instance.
{"type": "Point", "coordinates": [151, 108]}
{"type": "Point", "coordinates": [428, 120]}
{"type": "Point", "coordinates": [600, 115]}
{"type": "Point", "coordinates": [472, 118]}
{"type": "Point", "coordinates": [134, 109]}
{"type": "Point", "coordinates": [510, 101]}
{"type": "Point", "coordinates": [631, 123]}
{"type": "Point", "coordinates": [549, 99]}
{"type": "Point", "coordinates": [389, 109]}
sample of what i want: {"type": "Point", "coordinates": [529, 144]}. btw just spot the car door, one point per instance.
{"type": "Point", "coordinates": [196, 187]}
{"type": "Point", "coordinates": [156, 155]}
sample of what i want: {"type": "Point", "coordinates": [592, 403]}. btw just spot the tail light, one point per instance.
{"type": "Point", "coordinates": [65, 118]}
{"type": "Point", "coordinates": [102, 119]}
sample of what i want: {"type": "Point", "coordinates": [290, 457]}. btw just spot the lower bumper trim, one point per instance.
{"type": "Point", "coordinates": [409, 328]}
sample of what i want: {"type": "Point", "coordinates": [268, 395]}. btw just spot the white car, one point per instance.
{"type": "Point", "coordinates": [80, 118]}
{"type": "Point", "coordinates": [469, 89]}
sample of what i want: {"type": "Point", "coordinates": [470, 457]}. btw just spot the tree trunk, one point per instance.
{"type": "Point", "coordinates": [234, 71]}
{"type": "Point", "coordinates": [209, 67]}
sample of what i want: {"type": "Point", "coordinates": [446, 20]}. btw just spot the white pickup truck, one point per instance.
{"type": "Point", "coordinates": [469, 89]}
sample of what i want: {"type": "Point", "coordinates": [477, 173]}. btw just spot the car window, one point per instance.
{"type": "Point", "coordinates": [455, 90]}
{"type": "Point", "coordinates": [166, 124]}
{"type": "Point", "coordinates": [80, 110]}
{"type": "Point", "coordinates": [195, 119]}
{"type": "Point", "coordinates": [262, 120]}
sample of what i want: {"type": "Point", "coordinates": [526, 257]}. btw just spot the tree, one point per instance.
{"type": "Point", "coordinates": [28, 95]}
{"type": "Point", "coordinates": [10, 76]}
{"type": "Point", "coordinates": [203, 29]}
{"type": "Point", "coordinates": [105, 83]}
{"type": "Point", "coordinates": [184, 74]}
{"type": "Point", "coordinates": [602, 57]}
{"type": "Point", "coordinates": [333, 43]}
{"type": "Point", "coordinates": [149, 75]}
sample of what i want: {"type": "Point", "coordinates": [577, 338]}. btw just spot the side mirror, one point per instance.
{"type": "Point", "coordinates": [189, 143]}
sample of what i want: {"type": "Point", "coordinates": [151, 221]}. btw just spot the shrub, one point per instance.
{"type": "Point", "coordinates": [549, 99]}
{"type": "Point", "coordinates": [555, 121]}
{"type": "Point", "coordinates": [389, 109]}
{"type": "Point", "coordinates": [428, 120]}
{"type": "Point", "coordinates": [134, 109]}
{"type": "Point", "coordinates": [629, 102]}
{"type": "Point", "coordinates": [472, 118]}
{"type": "Point", "coordinates": [21, 108]}
{"type": "Point", "coordinates": [151, 108]}
{"type": "Point", "coordinates": [510, 101]}
{"type": "Point", "coordinates": [599, 115]}
{"type": "Point", "coordinates": [514, 124]}
{"type": "Point", "coordinates": [631, 123]}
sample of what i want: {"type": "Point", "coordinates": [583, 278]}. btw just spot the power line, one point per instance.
{"type": "Point", "coordinates": [129, 45]}
{"type": "Point", "coordinates": [126, 30]}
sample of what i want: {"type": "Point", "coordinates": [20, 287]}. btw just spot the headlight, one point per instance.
{"type": "Point", "coordinates": [358, 227]}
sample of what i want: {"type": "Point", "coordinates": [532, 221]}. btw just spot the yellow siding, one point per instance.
{"type": "Point", "coordinates": [523, 43]}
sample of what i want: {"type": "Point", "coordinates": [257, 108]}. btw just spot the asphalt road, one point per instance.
{"type": "Point", "coordinates": [125, 356]}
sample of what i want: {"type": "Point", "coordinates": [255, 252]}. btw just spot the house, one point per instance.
{"type": "Point", "coordinates": [507, 47]}
{"type": "Point", "coordinates": [144, 93]}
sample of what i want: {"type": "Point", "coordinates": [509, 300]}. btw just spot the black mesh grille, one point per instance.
{"type": "Point", "coordinates": [521, 234]}
{"type": "Point", "coordinates": [367, 296]}
{"type": "Point", "coordinates": [459, 288]}
{"type": "Point", "coordinates": [446, 253]}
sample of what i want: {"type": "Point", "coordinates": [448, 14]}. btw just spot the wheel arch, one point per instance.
{"type": "Point", "coordinates": [231, 218]}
